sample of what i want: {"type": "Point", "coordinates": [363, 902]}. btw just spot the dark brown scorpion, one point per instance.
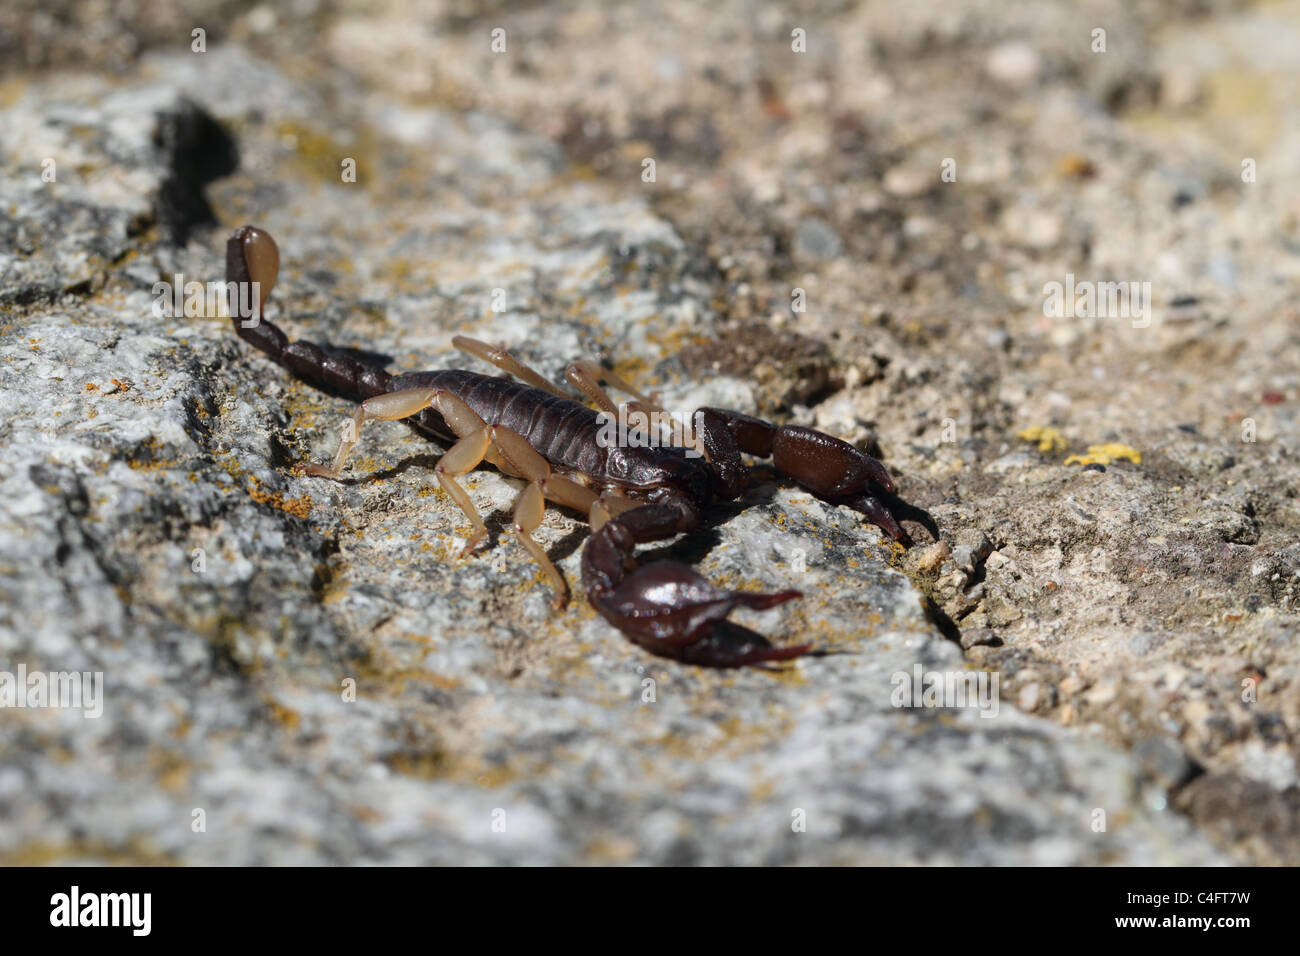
{"type": "Point", "coordinates": [632, 493]}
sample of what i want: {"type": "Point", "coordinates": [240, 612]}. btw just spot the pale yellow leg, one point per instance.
{"type": "Point", "coordinates": [461, 458]}
{"type": "Point", "coordinates": [530, 508]}
{"type": "Point", "coordinates": [589, 376]}
{"type": "Point", "coordinates": [568, 493]}
{"type": "Point", "coordinates": [506, 362]}
{"type": "Point", "coordinates": [607, 506]}
{"type": "Point", "coordinates": [531, 504]}
{"type": "Point", "coordinates": [586, 375]}
{"type": "Point", "coordinates": [387, 407]}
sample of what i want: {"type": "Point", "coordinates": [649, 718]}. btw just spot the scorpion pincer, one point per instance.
{"type": "Point", "coordinates": [631, 494]}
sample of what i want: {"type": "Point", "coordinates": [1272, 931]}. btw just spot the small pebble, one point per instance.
{"type": "Point", "coordinates": [931, 556]}
{"type": "Point", "coordinates": [906, 182]}
{"type": "Point", "coordinates": [979, 637]}
{"type": "Point", "coordinates": [1015, 63]}
{"type": "Point", "coordinates": [815, 240]}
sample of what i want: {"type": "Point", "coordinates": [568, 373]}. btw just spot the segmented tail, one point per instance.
{"type": "Point", "coordinates": [253, 262]}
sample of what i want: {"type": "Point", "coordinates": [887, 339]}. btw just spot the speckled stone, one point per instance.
{"type": "Point", "coordinates": [299, 666]}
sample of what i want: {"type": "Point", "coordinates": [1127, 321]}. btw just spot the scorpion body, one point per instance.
{"type": "Point", "coordinates": [564, 432]}
{"type": "Point", "coordinates": [632, 493]}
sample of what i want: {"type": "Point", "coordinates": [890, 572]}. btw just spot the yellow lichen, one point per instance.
{"type": "Point", "coordinates": [1105, 454]}
{"type": "Point", "coordinates": [1048, 439]}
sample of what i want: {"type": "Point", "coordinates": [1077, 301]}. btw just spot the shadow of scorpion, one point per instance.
{"type": "Point", "coordinates": [631, 493]}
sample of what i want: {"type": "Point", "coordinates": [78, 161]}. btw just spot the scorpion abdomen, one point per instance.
{"type": "Point", "coordinates": [563, 431]}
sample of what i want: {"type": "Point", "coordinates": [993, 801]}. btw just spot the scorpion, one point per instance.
{"type": "Point", "coordinates": [631, 492]}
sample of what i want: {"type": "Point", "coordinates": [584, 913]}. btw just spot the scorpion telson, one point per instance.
{"type": "Point", "coordinates": [631, 495]}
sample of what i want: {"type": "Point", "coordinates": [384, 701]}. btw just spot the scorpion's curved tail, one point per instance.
{"type": "Point", "coordinates": [252, 265]}
{"type": "Point", "coordinates": [666, 607]}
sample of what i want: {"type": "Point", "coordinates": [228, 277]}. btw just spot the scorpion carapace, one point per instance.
{"type": "Point", "coordinates": [631, 493]}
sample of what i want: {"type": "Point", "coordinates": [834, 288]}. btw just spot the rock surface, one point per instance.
{"type": "Point", "coordinates": [304, 663]}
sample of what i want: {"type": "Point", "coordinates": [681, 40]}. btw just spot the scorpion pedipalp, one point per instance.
{"type": "Point", "coordinates": [670, 604]}
{"type": "Point", "coordinates": [667, 607]}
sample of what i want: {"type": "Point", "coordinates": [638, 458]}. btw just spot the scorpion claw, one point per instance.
{"type": "Point", "coordinates": [878, 513]}
{"type": "Point", "coordinates": [734, 645]}
{"type": "Point", "coordinates": [672, 611]}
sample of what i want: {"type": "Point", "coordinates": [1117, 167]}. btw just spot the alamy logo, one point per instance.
{"type": "Point", "coordinates": [923, 688]}
{"type": "Point", "coordinates": [1098, 300]}
{"type": "Point", "coordinates": [639, 428]}
{"type": "Point", "coordinates": [103, 909]}
{"type": "Point", "coordinates": [65, 689]}
{"type": "Point", "coordinates": [207, 300]}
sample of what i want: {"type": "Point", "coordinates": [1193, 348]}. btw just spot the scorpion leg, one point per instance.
{"type": "Point", "coordinates": [530, 507]}
{"type": "Point", "coordinates": [473, 444]}
{"type": "Point", "coordinates": [589, 376]}
{"type": "Point", "coordinates": [478, 440]}
{"type": "Point", "coordinates": [386, 407]}
{"type": "Point", "coordinates": [609, 505]}
{"type": "Point", "coordinates": [831, 469]}
{"type": "Point", "coordinates": [462, 458]}
{"type": "Point", "coordinates": [506, 362]}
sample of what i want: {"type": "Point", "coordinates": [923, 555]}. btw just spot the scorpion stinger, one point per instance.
{"type": "Point", "coordinates": [632, 494]}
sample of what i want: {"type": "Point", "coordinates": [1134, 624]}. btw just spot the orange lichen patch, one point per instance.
{"type": "Point", "coordinates": [1076, 166]}
{"type": "Point", "coordinates": [422, 766]}
{"type": "Point", "coordinates": [320, 158]}
{"type": "Point", "coordinates": [11, 88]}
{"type": "Point", "coordinates": [364, 813]}
{"type": "Point", "coordinates": [150, 446]}
{"type": "Point", "coordinates": [632, 370]}
{"type": "Point", "coordinates": [789, 672]}
{"type": "Point", "coordinates": [735, 737]}
{"type": "Point", "coordinates": [92, 387]}
{"type": "Point", "coordinates": [611, 849]}
{"type": "Point", "coordinates": [183, 726]}
{"type": "Point", "coordinates": [299, 507]}
{"type": "Point", "coordinates": [1105, 454]}
{"type": "Point", "coordinates": [335, 590]}
{"type": "Point", "coordinates": [136, 465]}
{"type": "Point", "coordinates": [134, 853]}
{"type": "Point", "coordinates": [121, 386]}
{"type": "Point", "coordinates": [284, 716]}
{"type": "Point", "coordinates": [494, 776]}
{"type": "Point", "coordinates": [174, 775]}
{"type": "Point", "coordinates": [435, 764]}
{"type": "Point", "coordinates": [1048, 439]}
